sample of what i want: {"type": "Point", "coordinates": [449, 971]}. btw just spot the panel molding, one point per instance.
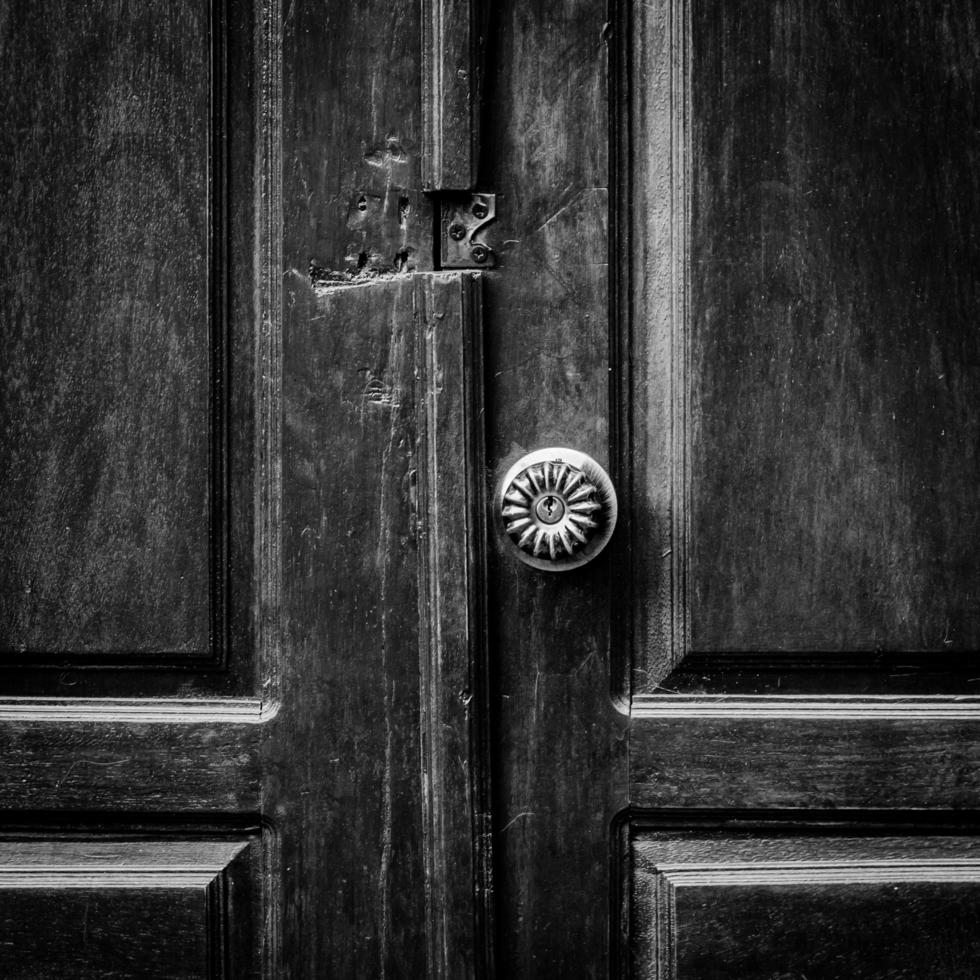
{"type": "Point", "coordinates": [830, 707]}
{"type": "Point", "coordinates": [269, 362]}
{"type": "Point", "coordinates": [139, 710]}
{"type": "Point", "coordinates": [652, 161]}
{"type": "Point", "coordinates": [666, 861]}
{"type": "Point", "coordinates": [452, 77]}
{"type": "Point", "coordinates": [219, 336]}
{"type": "Point", "coordinates": [230, 880]}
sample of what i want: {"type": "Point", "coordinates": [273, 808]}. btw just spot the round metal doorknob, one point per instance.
{"type": "Point", "coordinates": [556, 509]}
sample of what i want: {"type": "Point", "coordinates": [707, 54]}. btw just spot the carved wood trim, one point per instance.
{"type": "Point", "coordinates": [652, 233]}
{"type": "Point", "coordinates": [269, 362]}
{"type": "Point", "coordinates": [452, 589]}
{"type": "Point", "coordinates": [139, 710]}
{"type": "Point", "coordinates": [452, 70]}
{"type": "Point", "coordinates": [855, 707]}
{"type": "Point", "coordinates": [858, 852]}
{"type": "Point", "coordinates": [228, 871]}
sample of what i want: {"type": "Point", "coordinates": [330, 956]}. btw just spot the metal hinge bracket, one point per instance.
{"type": "Point", "coordinates": [462, 218]}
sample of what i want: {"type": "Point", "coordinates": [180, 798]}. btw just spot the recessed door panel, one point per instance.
{"type": "Point", "coordinates": [712, 907]}
{"type": "Point", "coordinates": [93, 907]}
{"type": "Point", "coordinates": [805, 408]}
{"type": "Point", "coordinates": [130, 414]}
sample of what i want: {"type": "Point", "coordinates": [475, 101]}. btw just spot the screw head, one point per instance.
{"type": "Point", "coordinates": [457, 232]}
{"type": "Point", "coordinates": [480, 253]}
{"type": "Point", "coordinates": [480, 210]}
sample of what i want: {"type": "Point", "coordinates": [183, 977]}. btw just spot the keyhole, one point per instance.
{"type": "Point", "coordinates": [550, 509]}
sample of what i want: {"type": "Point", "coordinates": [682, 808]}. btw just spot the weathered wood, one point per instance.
{"type": "Point", "coordinates": [763, 906]}
{"type": "Point", "coordinates": [835, 361]}
{"type": "Point", "coordinates": [453, 48]}
{"type": "Point", "coordinates": [107, 191]}
{"type": "Point", "coordinates": [452, 614]}
{"type": "Point", "coordinates": [116, 766]}
{"type": "Point", "coordinates": [804, 409]}
{"type": "Point", "coordinates": [395, 361]}
{"type": "Point", "coordinates": [558, 749]}
{"type": "Point", "coordinates": [906, 759]}
{"type": "Point", "coordinates": [349, 748]}
{"type": "Point", "coordinates": [345, 730]}
{"type": "Point", "coordinates": [353, 140]}
{"type": "Point", "coordinates": [131, 516]}
{"type": "Point", "coordinates": [117, 907]}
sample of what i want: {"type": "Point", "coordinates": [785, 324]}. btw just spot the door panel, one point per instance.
{"type": "Point", "coordinates": [108, 174]}
{"type": "Point", "coordinates": [732, 260]}
{"type": "Point", "coordinates": [178, 908]}
{"type": "Point", "coordinates": [818, 343]}
{"type": "Point", "coordinates": [731, 905]}
{"type": "Point", "coordinates": [801, 438]}
{"type": "Point", "coordinates": [833, 358]}
{"type": "Point", "coordinates": [132, 420]}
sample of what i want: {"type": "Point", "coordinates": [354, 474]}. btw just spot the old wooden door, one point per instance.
{"type": "Point", "coordinates": [743, 741]}
{"type": "Point", "coordinates": [275, 698]}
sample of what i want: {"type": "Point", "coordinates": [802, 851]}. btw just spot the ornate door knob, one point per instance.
{"type": "Point", "coordinates": [556, 509]}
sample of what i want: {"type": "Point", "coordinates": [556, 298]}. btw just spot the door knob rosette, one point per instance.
{"type": "Point", "coordinates": [556, 508]}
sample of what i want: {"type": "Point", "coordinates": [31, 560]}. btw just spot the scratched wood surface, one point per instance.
{"type": "Point", "coordinates": [823, 356]}
{"type": "Point", "coordinates": [557, 747]}
{"type": "Point", "coordinates": [127, 908]}
{"type": "Point", "coordinates": [351, 619]}
{"type": "Point", "coordinates": [105, 184]}
{"type": "Point", "coordinates": [129, 411]}
{"type": "Point", "coordinates": [354, 754]}
{"type": "Point", "coordinates": [835, 361]}
{"type": "Point", "coordinates": [353, 142]}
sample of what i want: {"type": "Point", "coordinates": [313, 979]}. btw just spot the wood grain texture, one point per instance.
{"type": "Point", "coordinates": [353, 142]}
{"type": "Point", "coordinates": [558, 747]}
{"type": "Point", "coordinates": [381, 743]}
{"type": "Point", "coordinates": [122, 908]}
{"type": "Point", "coordinates": [885, 906]}
{"type": "Point", "coordinates": [835, 364]}
{"type": "Point", "coordinates": [452, 614]}
{"type": "Point", "coordinates": [138, 389]}
{"type": "Point", "coordinates": [106, 177]}
{"type": "Point", "coordinates": [347, 755]}
{"type": "Point", "coordinates": [121, 766]}
{"type": "Point", "coordinates": [322, 735]}
{"type": "Point", "coordinates": [453, 47]}
{"type": "Point", "coordinates": [919, 762]}
{"type": "Point", "coordinates": [801, 418]}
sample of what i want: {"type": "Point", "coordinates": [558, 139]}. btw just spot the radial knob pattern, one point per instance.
{"type": "Point", "coordinates": [549, 508]}
{"type": "Point", "coordinates": [557, 507]}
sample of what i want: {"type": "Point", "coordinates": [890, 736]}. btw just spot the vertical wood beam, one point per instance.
{"type": "Point", "coordinates": [453, 650]}
{"type": "Point", "coordinates": [452, 75]}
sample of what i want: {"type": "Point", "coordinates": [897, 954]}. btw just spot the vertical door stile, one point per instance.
{"type": "Point", "coordinates": [453, 652]}
{"type": "Point", "coordinates": [452, 76]}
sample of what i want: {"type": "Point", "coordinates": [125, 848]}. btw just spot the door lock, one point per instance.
{"type": "Point", "coordinates": [556, 509]}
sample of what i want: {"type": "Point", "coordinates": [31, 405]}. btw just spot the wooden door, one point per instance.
{"type": "Point", "coordinates": [803, 434]}
{"type": "Point", "coordinates": [220, 673]}
{"type": "Point", "coordinates": [275, 702]}
{"type": "Point", "coordinates": [752, 722]}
